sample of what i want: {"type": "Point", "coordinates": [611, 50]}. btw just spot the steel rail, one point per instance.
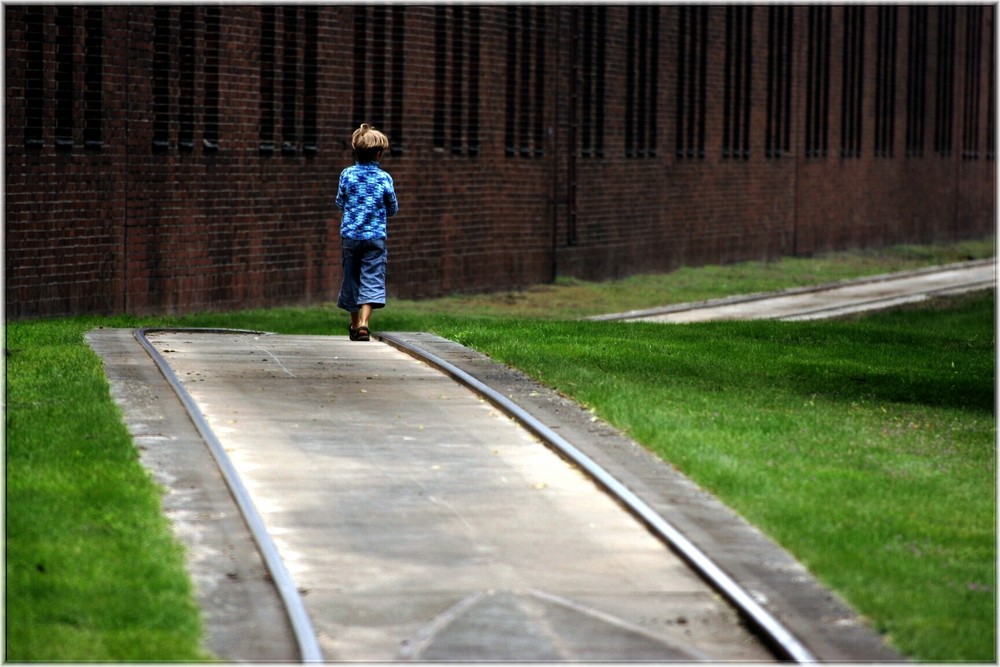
{"type": "Point", "coordinates": [774, 633]}
{"type": "Point", "coordinates": [302, 627]}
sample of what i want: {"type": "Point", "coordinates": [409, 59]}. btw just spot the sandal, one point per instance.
{"type": "Point", "coordinates": [352, 333]}
{"type": "Point", "coordinates": [362, 333]}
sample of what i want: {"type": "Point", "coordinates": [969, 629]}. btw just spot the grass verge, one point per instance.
{"type": "Point", "coordinates": [865, 447]}
{"type": "Point", "coordinates": [92, 571]}
{"type": "Point", "coordinates": [569, 298]}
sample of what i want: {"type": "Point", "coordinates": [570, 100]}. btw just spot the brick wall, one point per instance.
{"type": "Point", "coordinates": [177, 158]}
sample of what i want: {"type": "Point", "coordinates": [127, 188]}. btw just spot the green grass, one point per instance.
{"type": "Point", "coordinates": [570, 299]}
{"type": "Point", "coordinates": [92, 572]}
{"type": "Point", "coordinates": [865, 447]}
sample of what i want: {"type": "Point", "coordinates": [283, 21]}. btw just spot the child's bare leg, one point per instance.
{"type": "Point", "coordinates": [363, 314]}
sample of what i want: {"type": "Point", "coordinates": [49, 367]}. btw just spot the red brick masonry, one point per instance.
{"type": "Point", "coordinates": [166, 159]}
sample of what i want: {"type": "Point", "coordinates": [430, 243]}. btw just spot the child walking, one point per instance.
{"type": "Point", "coordinates": [367, 198]}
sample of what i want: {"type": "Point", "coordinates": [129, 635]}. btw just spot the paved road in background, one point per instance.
{"type": "Point", "coordinates": [825, 301]}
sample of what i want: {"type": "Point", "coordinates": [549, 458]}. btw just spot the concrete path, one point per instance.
{"type": "Point", "coordinates": [832, 300]}
{"type": "Point", "coordinates": [419, 523]}
{"type": "Point", "coordinates": [423, 524]}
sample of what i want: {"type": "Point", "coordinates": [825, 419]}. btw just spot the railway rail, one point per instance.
{"type": "Point", "coordinates": [784, 644]}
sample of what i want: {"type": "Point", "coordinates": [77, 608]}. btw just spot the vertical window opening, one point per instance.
{"type": "Point", "coordinates": [93, 79]}
{"type": "Point", "coordinates": [267, 44]}
{"type": "Point", "coordinates": [376, 111]}
{"type": "Point", "coordinates": [185, 138]}
{"type": "Point", "coordinates": [210, 137]}
{"type": "Point", "coordinates": [587, 79]}
{"type": "Point", "coordinates": [736, 89]}
{"type": "Point", "coordinates": [161, 79]}
{"type": "Point", "coordinates": [457, 62]}
{"type": "Point", "coordinates": [885, 81]}
{"type": "Point", "coordinates": [602, 40]}
{"type": "Point", "coordinates": [853, 82]}
{"type": "Point", "coordinates": [290, 81]}
{"type": "Point", "coordinates": [916, 89]}
{"type": "Point", "coordinates": [360, 64]}
{"type": "Point", "coordinates": [594, 40]}
{"type": "Point", "coordinates": [34, 83]}
{"type": "Point", "coordinates": [630, 79]}
{"type": "Point", "coordinates": [944, 90]}
{"type": "Point", "coordinates": [525, 89]}
{"type": "Point", "coordinates": [396, 112]}
{"type": "Point", "coordinates": [440, 73]}
{"type": "Point", "coordinates": [511, 87]}
{"type": "Point", "coordinates": [64, 77]}
{"type": "Point", "coordinates": [991, 94]}
{"type": "Point", "coordinates": [310, 96]}
{"type": "Point", "coordinates": [539, 81]}
{"type": "Point", "coordinates": [472, 125]}
{"type": "Point", "coordinates": [973, 74]}
{"type": "Point", "coordinates": [642, 83]}
{"type": "Point", "coordinates": [779, 79]}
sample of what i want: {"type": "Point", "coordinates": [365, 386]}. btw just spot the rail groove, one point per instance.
{"type": "Point", "coordinates": [302, 627]}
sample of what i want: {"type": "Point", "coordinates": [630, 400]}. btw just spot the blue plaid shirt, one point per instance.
{"type": "Point", "coordinates": [367, 198]}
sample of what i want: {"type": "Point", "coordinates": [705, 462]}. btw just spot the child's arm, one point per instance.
{"type": "Point", "coordinates": [391, 205]}
{"type": "Point", "coordinates": [341, 200]}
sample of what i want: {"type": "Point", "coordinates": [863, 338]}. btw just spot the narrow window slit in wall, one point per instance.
{"type": "Point", "coordinates": [161, 79]}
{"type": "Point", "coordinates": [991, 93]}
{"type": "Point", "coordinates": [594, 46]}
{"type": "Point", "coordinates": [973, 76]}
{"type": "Point", "coordinates": [457, 61]}
{"type": "Point", "coordinates": [885, 81]}
{"type": "Point", "coordinates": [65, 28]}
{"type": "Point", "coordinates": [289, 80]}
{"type": "Point", "coordinates": [185, 138]}
{"type": "Point", "coordinates": [210, 136]}
{"type": "Point", "coordinates": [736, 87]}
{"type": "Point", "coordinates": [818, 82]}
{"type": "Point", "coordinates": [93, 138]}
{"type": "Point", "coordinates": [944, 89]}
{"type": "Point", "coordinates": [472, 103]}
{"type": "Point", "coordinates": [310, 93]}
{"type": "Point", "coordinates": [397, 84]}
{"type": "Point", "coordinates": [267, 55]}
{"type": "Point", "coordinates": [34, 84]}
{"type": "Point", "coordinates": [777, 135]}
{"type": "Point", "coordinates": [853, 81]}
{"type": "Point", "coordinates": [916, 81]}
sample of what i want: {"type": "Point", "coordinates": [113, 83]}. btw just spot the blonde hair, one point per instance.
{"type": "Point", "coordinates": [368, 142]}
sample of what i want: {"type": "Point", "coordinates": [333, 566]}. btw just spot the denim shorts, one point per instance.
{"type": "Point", "coordinates": [364, 263]}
